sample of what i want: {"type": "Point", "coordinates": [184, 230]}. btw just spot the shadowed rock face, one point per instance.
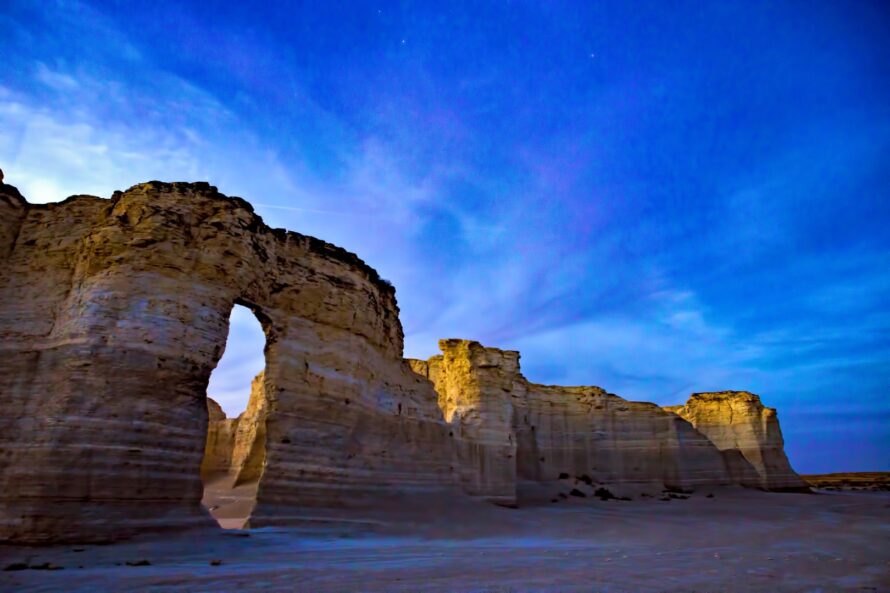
{"type": "Point", "coordinates": [508, 429]}
{"type": "Point", "coordinates": [748, 434]}
{"type": "Point", "coordinates": [114, 312]}
{"type": "Point", "coordinates": [236, 447]}
{"type": "Point", "coordinates": [217, 462]}
{"type": "Point", "coordinates": [249, 442]}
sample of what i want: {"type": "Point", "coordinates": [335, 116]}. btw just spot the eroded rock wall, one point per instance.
{"type": "Point", "coordinates": [748, 434]}
{"type": "Point", "coordinates": [476, 387]}
{"type": "Point", "coordinates": [586, 431]}
{"type": "Point", "coordinates": [112, 314]}
{"type": "Point", "coordinates": [236, 447]}
{"type": "Point", "coordinates": [508, 429]}
{"type": "Point", "coordinates": [217, 461]}
{"type": "Point", "coordinates": [248, 458]}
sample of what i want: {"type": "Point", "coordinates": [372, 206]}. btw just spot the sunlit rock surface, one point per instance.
{"type": "Point", "coordinates": [249, 443]}
{"type": "Point", "coordinates": [475, 389]}
{"type": "Point", "coordinates": [113, 312]}
{"type": "Point", "coordinates": [746, 431]}
{"type": "Point", "coordinates": [217, 462]}
{"type": "Point", "coordinates": [508, 429]}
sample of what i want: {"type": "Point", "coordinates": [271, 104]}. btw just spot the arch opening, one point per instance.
{"type": "Point", "coordinates": [235, 402]}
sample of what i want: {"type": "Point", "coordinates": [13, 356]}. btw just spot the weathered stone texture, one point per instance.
{"type": "Point", "coordinates": [113, 313]}
{"type": "Point", "coordinates": [217, 461]}
{"type": "Point", "coordinates": [508, 429]}
{"type": "Point", "coordinates": [475, 387]}
{"type": "Point", "coordinates": [248, 457]}
{"type": "Point", "coordinates": [748, 434]}
{"type": "Point", "coordinates": [587, 431]}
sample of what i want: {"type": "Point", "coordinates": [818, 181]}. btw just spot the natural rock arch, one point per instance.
{"type": "Point", "coordinates": [118, 311]}
{"type": "Point", "coordinates": [113, 313]}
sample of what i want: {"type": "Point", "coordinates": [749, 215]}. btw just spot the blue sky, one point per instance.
{"type": "Point", "coordinates": [657, 198]}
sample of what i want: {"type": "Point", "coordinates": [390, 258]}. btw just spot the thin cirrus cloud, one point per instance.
{"type": "Point", "coordinates": [678, 213]}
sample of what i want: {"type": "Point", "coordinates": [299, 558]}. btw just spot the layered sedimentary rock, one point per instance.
{"type": "Point", "coordinates": [114, 311]}
{"type": "Point", "coordinates": [217, 461]}
{"type": "Point", "coordinates": [112, 315]}
{"type": "Point", "coordinates": [585, 430]}
{"type": "Point", "coordinates": [508, 429]}
{"type": "Point", "coordinates": [475, 387]}
{"type": "Point", "coordinates": [236, 447]}
{"type": "Point", "coordinates": [247, 454]}
{"type": "Point", "coordinates": [748, 434]}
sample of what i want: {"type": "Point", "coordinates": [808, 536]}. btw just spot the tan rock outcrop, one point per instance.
{"type": "Point", "coordinates": [112, 314]}
{"type": "Point", "coordinates": [475, 387]}
{"type": "Point", "coordinates": [236, 447]}
{"type": "Point", "coordinates": [114, 311]}
{"type": "Point", "coordinates": [248, 457]}
{"type": "Point", "coordinates": [748, 434]}
{"type": "Point", "coordinates": [217, 461]}
{"type": "Point", "coordinates": [508, 429]}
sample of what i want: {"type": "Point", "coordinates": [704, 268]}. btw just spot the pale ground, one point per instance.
{"type": "Point", "coordinates": [229, 506]}
{"type": "Point", "coordinates": [738, 541]}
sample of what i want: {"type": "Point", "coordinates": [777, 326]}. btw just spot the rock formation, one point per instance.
{"type": "Point", "coordinates": [249, 444]}
{"type": "Point", "coordinates": [236, 447]}
{"type": "Point", "coordinates": [113, 312]}
{"type": "Point", "coordinates": [217, 461]}
{"type": "Point", "coordinates": [509, 430]}
{"type": "Point", "coordinates": [747, 433]}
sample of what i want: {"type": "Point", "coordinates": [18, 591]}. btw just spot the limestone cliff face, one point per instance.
{"type": "Point", "coordinates": [112, 315]}
{"type": "Point", "coordinates": [248, 457]}
{"type": "Point", "coordinates": [587, 431]}
{"type": "Point", "coordinates": [217, 462]}
{"type": "Point", "coordinates": [507, 429]}
{"type": "Point", "coordinates": [747, 433]}
{"type": "Point", "coordinates": [475, 388]}
{"type": "Point", "coordinates": [114, 311]}
{"type": "Point", "coordinates": [236, 447]}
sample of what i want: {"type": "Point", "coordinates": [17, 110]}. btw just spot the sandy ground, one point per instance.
{"type": "Point", "coordinates": [738, 541]}
{"type": "Point", "coordinates": [230, 506]}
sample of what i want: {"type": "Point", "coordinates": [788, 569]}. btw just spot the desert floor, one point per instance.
{"type": "Point", "coordinates": [736, 541]}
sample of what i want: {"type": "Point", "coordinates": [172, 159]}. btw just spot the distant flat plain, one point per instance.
{"type": "Point", "coordinates": [736, 541]}
{"type": "Point", "coordinates": [874, 481]}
